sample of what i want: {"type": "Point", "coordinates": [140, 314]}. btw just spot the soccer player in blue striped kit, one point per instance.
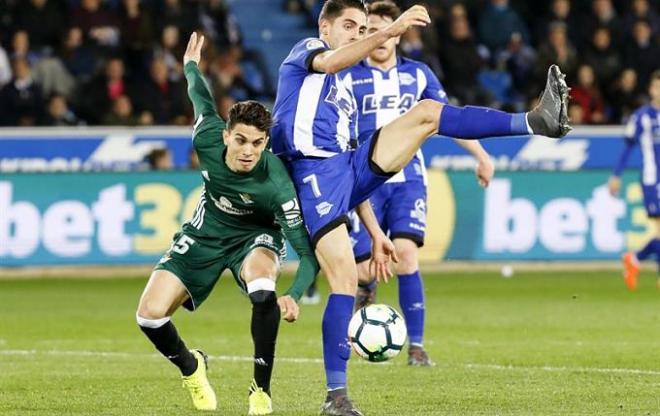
{"type": "Point", "coordinates": [644, 129]}
{"type": "Point", "coordinates": [315, 123]}
{"type": "Point", "coordinates": [385, 86]}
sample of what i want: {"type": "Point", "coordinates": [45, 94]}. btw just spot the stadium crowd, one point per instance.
{"type": "Point", "coordinates": [118, 62]}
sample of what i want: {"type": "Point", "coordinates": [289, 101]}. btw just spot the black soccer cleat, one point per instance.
{"type": "Point", "coordinates": [418, 357]}
{"type": "Point", "coordinates": [365, 296]}
{"type": "Point", "coordinates": [339, 405]}
{"type": "Point", "coordinates": [550, 116]}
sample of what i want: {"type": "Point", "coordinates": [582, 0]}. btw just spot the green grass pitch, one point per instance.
{"type": "Point", "coordinates": [560, 343]}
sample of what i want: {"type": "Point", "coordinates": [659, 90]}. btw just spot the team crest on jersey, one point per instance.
{"type": "Point", "coordinates": [341, 100]}
{"type": "Point", "coordinates": [406, 79]}
{"type": "Point", "coordinates": [419, 213]}
{"type": "Point", "coordinates": [292, 213]}
{"type": "Point", "coordinates": [264, 239]}
{"type": "Point", "coordinates": [246, 198]}
{"type": "Point", "coordinates": [323, 208]}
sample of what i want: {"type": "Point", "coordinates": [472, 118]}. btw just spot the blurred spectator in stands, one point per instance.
{"type": "Point", "coordinates": [193, 159]}
{"type": "Point", "coordinates": [180, 13]}
{"type": "Point", "coordinates": [20, 48]}
{"type": "Point", "coordinates": [59, 113]}
{"type": "Point", "coordinates": [225, 102]}
{"type": "Point", "coordinates": [171, 51]}
{"type": "Point", "coordinates": [557, 50]}
{"type": "Point", "coordinates": [625, 96]}
{"type": "Point", "coordinates": [5, 68]}
{"type": "Point", "coordinates": [575, 114]}
{"type": "Point", "coordinates": [642, 52]}
{"type": "Point", "coordinates": [603, 14]}
{"type": "Point", "coordinates": [603, 57]}
{"type": "Point", "coordinates": [44, 21]}
{"type": "Point", "coordinates": [159, 159]}
{"type": "Point", "coordinates": [519, 59]}
{"type": "Point", "coordinates": [97, 96]}
{"type": "Point", "coordinates": [122, 114]}
{"type": "Point", "coordinates": [641, 9]}
{"type": "Point", "coordinates": [99, 24]}
{"type": "Point", "coordinates": [163, 98]}
{"type": "Point", "coordinates": [462, 63]}
{"type": "Point", "coordinates": [412, 44]}
{"type": "Point", "coordinates": [560, 11]}
{"type": "Point", "coordinates": [135, 26]}
{"type": "Point", "coordinates": [6, 20]}
{"type": "Point", "coordinates": [497, 23]}
{"type": "Point", "coordinates": [587, 95]}
{"type": "Point", "coordinates": [78, 58]}
{"type": "Point", "coordinates": [228, 76]}
{"type": "Point", "coordinates": [21, 100]}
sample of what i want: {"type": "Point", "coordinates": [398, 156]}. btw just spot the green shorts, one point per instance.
{"type": "Point", "coordinates": [199, 265]}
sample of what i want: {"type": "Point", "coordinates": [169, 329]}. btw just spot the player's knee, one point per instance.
{"type": "Point", "coordinates": [408, 261]}
{"type": "Point", "coordinates": [343, 277]}
{"type": "Point", "coordinates": [364, 277]}
{"type": "Point", "coordinates": [429, 112]}
{"type": "Point", "coordinates": [261, 291]}
{"type": "Point", "coordinates": [151, 310]}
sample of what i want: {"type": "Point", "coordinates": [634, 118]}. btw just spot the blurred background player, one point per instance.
{"type": "Point", "coordinates": [316, 113]}
{"type": "Point", "coordinates": [386, 86]}
{"type": "Point", "coordinates": [643, 129]}
{"type": "Point", "coordinates": [248, 199]}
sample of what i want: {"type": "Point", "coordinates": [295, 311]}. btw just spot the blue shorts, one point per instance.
{"type": "Point", "coordinates": [401, 211]}
{"type": "Point", "coordinates": [652, 200]}
{"type": "Point", "coordinates": [329, 188]}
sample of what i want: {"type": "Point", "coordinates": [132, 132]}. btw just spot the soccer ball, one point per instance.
{"type": "Point", "coordinates": [377, 332]}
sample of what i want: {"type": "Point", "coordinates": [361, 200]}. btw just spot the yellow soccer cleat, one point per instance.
{"type": "Point", "coordinates": [260, 402]}
{"type": "Point", "coordinates": [197, 383]}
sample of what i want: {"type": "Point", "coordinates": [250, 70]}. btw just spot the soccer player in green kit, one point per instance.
{"type": "Point", "coordinates": [248, 200]}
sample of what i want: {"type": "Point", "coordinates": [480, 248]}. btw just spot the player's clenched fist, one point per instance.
{"type": "Point", "coordinates": [288, 308]}
{"type": "Point", "coordinates": [194, 49]}
{"type": "Point", "coordinates": [414, 16]}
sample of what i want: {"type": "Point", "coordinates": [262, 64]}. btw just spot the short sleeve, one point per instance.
{"type": "Point", "coordinates": [303, 53]}
{"type": "Point", "coordinates": [434, 89]}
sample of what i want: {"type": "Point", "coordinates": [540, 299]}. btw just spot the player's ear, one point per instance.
{"type": "Point", "coordinates": [225, 136]}
{"type": "Point", "coordinates": [324, 27]}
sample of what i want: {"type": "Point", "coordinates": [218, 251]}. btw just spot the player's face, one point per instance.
{"type": "Point", "coordinates": [387, 49]}
{"type": "Point", "coordinates": [654, 91]}
{"type": "Point", "coordinates": [245, 144]}
{"type": "Point", "coordinates": [348, 27]}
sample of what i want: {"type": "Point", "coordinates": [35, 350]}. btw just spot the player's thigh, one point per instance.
{"type": "Point", "coordinates": [400, 139]}
{"type": "Point", "coordinates": [162, 295]}
{"type": "Point", "coordinates": [260, 263]}
{"type": "Point", "coordinates": [257, 254]}
{"type": "Point", "coordinates": [335, 255]}
{"type": "Point", "coordinates": [407, 250]}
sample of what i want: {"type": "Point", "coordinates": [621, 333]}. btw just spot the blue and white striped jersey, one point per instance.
{"type": "Point", "coordinates": [382, 96]}
{"type": "Point", "coordinates": [643, 128]}
{"type": "Point", "coordinates": [314, 113]}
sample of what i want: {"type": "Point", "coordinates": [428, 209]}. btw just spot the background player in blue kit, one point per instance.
{"type": "Point", "coordinates": [315, 117]}
{"type": "Point", "coordinates": [644, 129]}
{"type": "Point", "coordinates": [386, 86]}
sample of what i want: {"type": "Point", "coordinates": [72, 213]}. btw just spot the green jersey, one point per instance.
{"type": "Point", "coordinates": [263, 198]}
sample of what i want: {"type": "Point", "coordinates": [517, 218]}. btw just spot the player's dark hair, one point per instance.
{"type": "Point", "coordinates": [384, 8]}
{"type": "Point", "coordinates": [655, 75]}
{"type": "Point", "coordinates": [332, 9]}
{"type": "Point", "coordinates": [250, 113]}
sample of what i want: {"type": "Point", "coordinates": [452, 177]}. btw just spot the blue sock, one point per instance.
{"type": "Point", "coordinates": [411, 299]}
{"type": "Point", "coordinates": [478, 122]}
{"type": "Point", "coordinates": [336, 349]}
{"type": "Point", "coordinates": [652, 247]}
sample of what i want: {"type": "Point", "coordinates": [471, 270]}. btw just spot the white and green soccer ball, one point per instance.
{"type": "Point", "coordinates": [377, 332]}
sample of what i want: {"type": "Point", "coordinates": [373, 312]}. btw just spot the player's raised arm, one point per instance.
{"type": "Point", "coordinates": [333, 61]}
{"type": "Point", "coordinates": [198, 92]}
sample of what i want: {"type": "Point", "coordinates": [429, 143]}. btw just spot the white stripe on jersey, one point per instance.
{"type": "Point", "coordinates": [198, 217]}
{"type": "Point", "coordinates": [343, 122]}
{"type": "Point", "coordinates": [649, 169]}
{"type": "Point", "coordinates": [422, 82]}
{"type": "Point", "coordinates": [631, 127]}
{"type": "Point", "coordinates": [308, 101]}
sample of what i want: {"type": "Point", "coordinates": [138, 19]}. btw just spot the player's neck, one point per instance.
{"type": "Point", "coordinates": [385, 65]}
{"type": "Point", "coordinates": [655, 104]}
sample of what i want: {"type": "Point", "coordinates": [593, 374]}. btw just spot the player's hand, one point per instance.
{"type": "Point", "coordinates": [414, 16]}
{"type": "Point", "coordinates": [194, 49]}
{"type": "Point", "coordinates": [288, 308]}
{"type": "Point", "coordinates": [381, 253]}
{"type": "Point", "coordinates": [485, 170]}
{"type": "Point", "coordinates": [614, 185]}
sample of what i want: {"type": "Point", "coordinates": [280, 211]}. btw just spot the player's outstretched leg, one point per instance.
{"type": "Point", "coordinates": [162, 296]}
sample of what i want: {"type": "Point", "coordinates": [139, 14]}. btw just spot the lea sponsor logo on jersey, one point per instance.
{"type": "Point", "coordinates": [371, 103]}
